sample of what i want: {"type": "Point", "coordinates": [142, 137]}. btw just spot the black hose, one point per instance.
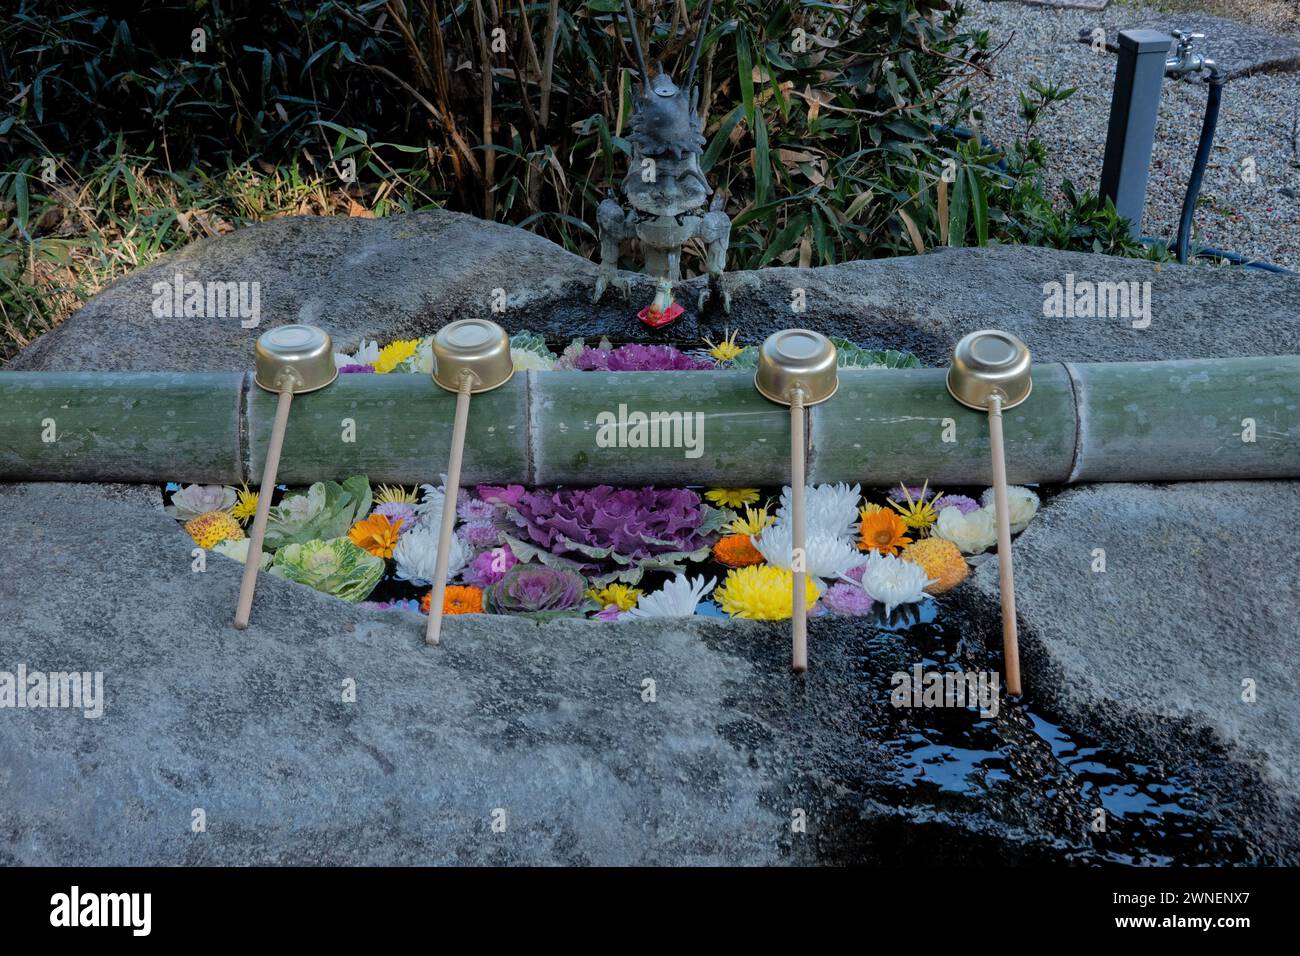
{"type": "Point", "coordinates": [1198, 167]}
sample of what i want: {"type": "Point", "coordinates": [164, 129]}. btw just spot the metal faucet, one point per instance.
{"type": "Point", "coordinates": [1186, 60]}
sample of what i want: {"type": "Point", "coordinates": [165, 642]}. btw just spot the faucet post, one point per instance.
{"type": "Point", "coordinates": [1134, 105]}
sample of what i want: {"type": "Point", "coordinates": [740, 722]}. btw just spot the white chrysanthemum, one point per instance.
{"type": "Point", "coordinates": [238, 551]}
{"type": "Point", "coordinates": [1021, 503]}
{"type": "Point", "coordinates": [194, 500]}
{"type": "Point", "coordinates": [973, 533]}
{"type": "Point", "coordinates": [678, 598]}
{"type": "Point", "coordinates": [367, 354]}
{"type": "Point", "coordinates": [416, 556]}
{"type": "Point", "coordinates": [828, 557]}
{"type": "Point", "coordinates": [828, 509]}
{"type": "Point", "coordinates": [893, 581]}
{"type": "Point", "coordinates": [429, 511]}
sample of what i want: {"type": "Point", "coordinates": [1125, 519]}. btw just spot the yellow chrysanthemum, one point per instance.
{"type": "Point", "coordinates": [245, 506]}
{"type": "Point", "coordinates": [753, 523]}
{"type": "Point", "coordinates": [869, 508]}
{"type": "Point", "coordinates": [394, 354]}
{"type": "Point", "coordinates": [732, 497]}
{"type": "Point", "coordinates": [621, 596]}
{"type": "Point", "coordinates": [762, 593]}
{"type": "Point", "coordinates": [918, 515]}
{"type": "Point", "coordinates": [212, 527]}
{"type": "Point", "coordinates": [942, 562]}
{"type": "Point", "coordinates": [395, 495]}
{"type": "Point", "coordinates": [727, 349]}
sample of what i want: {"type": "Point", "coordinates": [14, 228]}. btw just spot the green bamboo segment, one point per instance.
{"type": "Point", "coordinates": [1193, 419]}
{"type": "Point", "coordinates": [885, 426]}
{"type": "Point", "coordinates": [392, 428]}
{"type": "Point", "coordinates": [114, 426]}
{"type": "Point", "coordinates": [710, 427]}
{"type": "Point", "coordinates": [1107, 422]}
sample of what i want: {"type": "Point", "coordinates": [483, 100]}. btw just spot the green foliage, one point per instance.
{"type": "Point", "coordinates": [326, 510]}
{"type": "Point", "coordinates": [336, 567]}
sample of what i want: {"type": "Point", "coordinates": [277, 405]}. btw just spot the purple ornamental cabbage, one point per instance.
{"type": "Point", "coordinates": [535, 589]}
{"type": "Point", "coordinates": [629, 524]}
{"type": "Point", "coordinates": [481, 572]}
{"type": "Point", "coordinates": [639, 358]}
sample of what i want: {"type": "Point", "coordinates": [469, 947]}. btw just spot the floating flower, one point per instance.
{"type": "Point", "coordinates": [212, 528]}
{"type": "Point", "coordinates": [973, 533]}
{"type": "Point", "coordinates": [237, 550]}
{"type": "Point", "coordinates": [535, 589]}
{"type": "Point", "coordinates": [732, 497]}
{"type": "Point", "coordinates": [826, 556]}
{"type": "Point", "coordinates": [354, 369]}
{"type": "Point", "coordinates": [376, 535]}
{"type": "Point", "coordinates": [395, 494]}
{"type": "Point", "coordinates": [394, 354]}
{"type": "Point", "coordinates": [337, 567]}
{"type": "Point", "coordinates": [737, 551]}
{"type": "Point", "coordinates": [893, 581]}
{"type": "Point", "coordinates": [918, 513]}
{"type": "Point", "coordinates": [194, 500]}
{"type": "Point", "coordinates": [726, 349]}
{"type": "Point", "coordinates": [396, 604]}
{"type": "Point", "coordinates": [910, 493]}
{"type": "Point", "coordinates": [429, 510]}
{"type": "Point", "coordinates": [830, 509]}
{"type": "Point", "coordinates": [502, 495]}
{"type": "Point", "coordinates": [609, 613]}
{"type": "Point", "coordinates": [416, 556]}
{"type": "Point", "coordinates": [528, 360]}
{"type": "Point", "coordinates": [961, 502]}
{"type": "Point", "coordinates": [847, 600]}
{"type": "Point", "coordinates": [882, 531]}
{"type": "Point", "coordinates": [869, 508]}
{"type": "Point", "coordinates": [398, 511]}
{"type": "Point", "coordinates": [679, 597]}
{"type": "Point", "coordinates": [479, 534]}
{"type": "Point", "coordinates": [490, 567]}
{"type": "Point", "coordinates": [326, 511]}
{"type": "Point", "coordinates": [475, 509]}
{"type": "Point", "coordinates": [245, 506]}
{"type": "Point", "coordinates": [620, 596]}
{"type": "Point", "coordinates": [941, 561]}
{"type": "Point", "coordinates": [456, 599]}
{"type": "Point", "coordinates": [1022, 504]}
{"type": "Point", "coordinates": [638, 358]}
{"type": "Point", "coordinates": [754, 521]}
{"type": "Point", "coordinates": [762, 593]}
{"type": "Point", "coordinates": [366, 354]}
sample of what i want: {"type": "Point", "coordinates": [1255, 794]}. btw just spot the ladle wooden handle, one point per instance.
{"type": "Point", "coordinates": [433, 631]}
{"type": "Point", "coordinates": [799, 560]}
{"type": "Point", "coordinates": [244, 608]}
{"type": "Point", "coordinates": [1006, 576]}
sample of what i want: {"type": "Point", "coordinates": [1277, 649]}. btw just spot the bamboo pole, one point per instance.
{"type": "Point", "coordinates": [799, 559]}
{"type": "Point", "coordinates": [451, 490]}
{"type": "Point", "coordinates": [1150, 421]}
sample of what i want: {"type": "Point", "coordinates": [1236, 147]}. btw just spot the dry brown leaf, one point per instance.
{"type": "Point", "coordinates": [358, 211]}
{"type": "Point", "coordinates": [913, 233]}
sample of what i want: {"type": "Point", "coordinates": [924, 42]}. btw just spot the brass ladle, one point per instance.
{"type": "Point", "coordinates": [469, 356]}
{"type": "Point", "coordinates": [797, 367]}
{"type": "Point", "coordinates": [290, 360]}
{"type": "Point", "coordinates": [990, 371]}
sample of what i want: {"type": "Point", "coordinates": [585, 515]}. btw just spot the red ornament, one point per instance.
{"type": "Point", "coordinates": [656, 319]}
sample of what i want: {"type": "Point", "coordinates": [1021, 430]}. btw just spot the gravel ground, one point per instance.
{"type": "Point", "coordinates": [1258, 120]}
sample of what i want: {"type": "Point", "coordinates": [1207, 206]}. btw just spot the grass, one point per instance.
{"type": "Point", "coordinates": [80, 233]}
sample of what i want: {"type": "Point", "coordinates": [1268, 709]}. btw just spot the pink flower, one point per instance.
{"type": "Point", "coordinates": [489, 567]}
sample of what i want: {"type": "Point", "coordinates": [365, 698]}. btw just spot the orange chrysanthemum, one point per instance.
{"type": "Point", "coordinates": [882, 531]}
{"type": "Point", "coordinates": [457, 599]}
{"type": "Point", "coordinates": [941, 561]}
{"type": "Point", "coordinates": [376, 534]}
{"type": "Point", "coordinates": [737, 551]}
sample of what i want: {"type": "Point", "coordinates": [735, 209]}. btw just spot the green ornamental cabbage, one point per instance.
{"type": "Point", "coordinates": [326, 510]}
{"type": "Point", "coordinates": [337, 567]}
